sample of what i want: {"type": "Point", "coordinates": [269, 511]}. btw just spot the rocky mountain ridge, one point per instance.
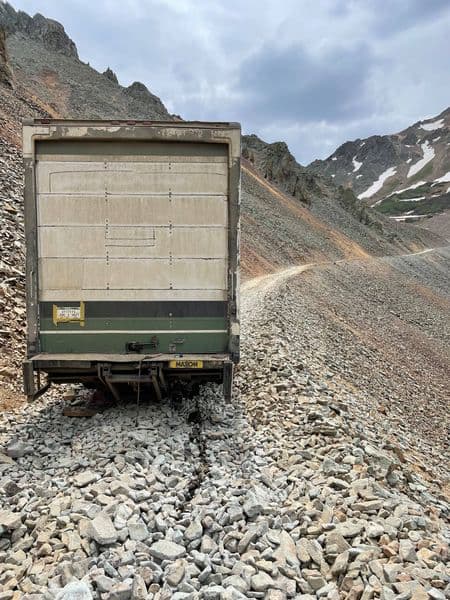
{"type": "Point", "coordinates": [48, 79]}
{"type": "Point", "coordinates": [404, 175]}
{"type": "Point", "coordinates": [53, 82]}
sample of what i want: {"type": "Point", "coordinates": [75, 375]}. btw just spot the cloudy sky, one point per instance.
{"type": "Point", "coordinates": [313, 73]}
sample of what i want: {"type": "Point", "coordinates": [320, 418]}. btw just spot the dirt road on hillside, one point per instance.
{"type": "Point", "coordinates": [254, 290]}
{"type": "Point", "coordinates": [376, 330]}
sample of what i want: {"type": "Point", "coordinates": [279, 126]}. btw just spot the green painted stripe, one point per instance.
{"type": "Point", "coordinates": [116, 342]}
{"type": "Point", "coordinates": [139, 323]}
{"type": "Point", "coordinates": [149, 309]}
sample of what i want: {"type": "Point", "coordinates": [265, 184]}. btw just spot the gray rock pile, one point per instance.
{"type": "Point", "coordinates": [12, 265]}
{"type": "Point", "coordinates": [277, 495]}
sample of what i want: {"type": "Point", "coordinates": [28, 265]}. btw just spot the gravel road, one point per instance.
{"type": "Point", "coordinates": [300, 488]}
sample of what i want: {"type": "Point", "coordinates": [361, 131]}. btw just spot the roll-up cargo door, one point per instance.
{"type": "Point", "coordinates": [132, 221]}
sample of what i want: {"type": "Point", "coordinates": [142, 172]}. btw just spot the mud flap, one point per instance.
{"type": "Point", "coordinates": [30, 389]}
{"type": "Point", "coordinates": [28, 379]}
{"type": "Point", "coordinates": [227, 381]}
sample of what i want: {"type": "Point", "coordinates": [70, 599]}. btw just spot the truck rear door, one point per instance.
{"type": "Point", "coordinates": [132, 245]}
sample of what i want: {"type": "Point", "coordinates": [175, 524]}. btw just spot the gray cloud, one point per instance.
{"type": "Point", "coordinates": [290, 83]}
{"type": "Point", "coordinates": [311, 73]}
{"type": "Point", "coordinates": [390, 17]}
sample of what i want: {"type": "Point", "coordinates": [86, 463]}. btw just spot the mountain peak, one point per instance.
{"type": "Point", "coordinates": [138, 90]}
{"type": "Point", "coordinates": [47, 31]}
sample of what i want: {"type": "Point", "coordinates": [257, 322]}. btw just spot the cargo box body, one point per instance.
{"type": "Point", "coordinates": [132, 232]}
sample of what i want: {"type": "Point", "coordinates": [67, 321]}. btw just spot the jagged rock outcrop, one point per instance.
{"type": "Point", "coordinates": [109, 74]}
{"type": "Point", "coordinates": [6, 76]}
{"type": "Point", "coordinates": [277, 164]}
{"type": "Point", "coordinates": [49, 32]}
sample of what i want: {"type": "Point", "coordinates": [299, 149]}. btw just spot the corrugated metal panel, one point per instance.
{"type": "Point", "coordinates": [143, 226]}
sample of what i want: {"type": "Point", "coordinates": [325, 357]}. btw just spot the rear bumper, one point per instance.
{"type": "Point", "coordinates": [111, 369]}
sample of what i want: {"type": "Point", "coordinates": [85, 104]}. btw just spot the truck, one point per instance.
{"type": "Point", "coordinates": [132, 254]}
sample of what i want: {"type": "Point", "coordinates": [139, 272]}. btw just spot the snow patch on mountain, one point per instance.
{"type": "Point", "coordinates": [411, 187]}
{"type": "Point", "coordinates": [356, 164]}
{"type": "Point", "coordinates": [378, 184]}
{"type": "Point", "coordinates": [433, 125]}
{"type": "Point", "coordinates": [428, 155]}
{"type": "Point", "coordinates": [444, 179]}
{"type": "Point", "coordinates": [408, 216]}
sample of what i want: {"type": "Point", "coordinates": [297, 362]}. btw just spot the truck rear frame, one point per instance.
{"type": "Point", "coordinates": [61, 342]}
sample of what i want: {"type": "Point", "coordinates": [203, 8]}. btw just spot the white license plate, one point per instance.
{"type": "Point", "coordinates": [69, 313]}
